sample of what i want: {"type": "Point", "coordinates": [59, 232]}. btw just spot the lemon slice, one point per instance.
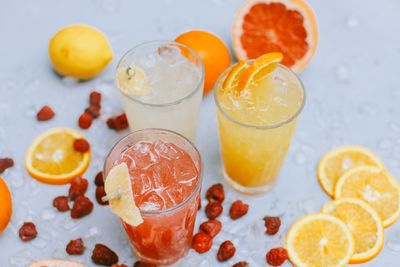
{"type": "Point", "coordinates": [118, 187]}
{"type": "Point", "coordinates": [319, 240]}
{"type": "Point", "coordinates": [233, 76]}
{"type": "Point", "coordinates": [376, 187]}
{"type": "Point", "coordinates": [52, 159]}
{"type": "Point", "coordinates": [132, 80]}
{"type": "Point", "coordinates": [364, 224]}
{"type": "Point", "coordinates": [334, 163]}
{"type": "Point", "coordinates": [56, 263]}
{"type": "Point", "coordinates": [259, 68]}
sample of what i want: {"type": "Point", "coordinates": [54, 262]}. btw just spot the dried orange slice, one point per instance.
{"type": "Point", "coordinates": [286, 26]}
{"type": "Point", "coordinates": [6, 205]}
{"type": "Point", "coordinates": [232, 78]}
{"type": "Point", "coordinates": [51, 158]}
{"type": "Point", "coordinates": [335, 162]}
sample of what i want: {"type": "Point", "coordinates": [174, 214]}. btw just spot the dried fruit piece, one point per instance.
{"type": "Point", "coordinates": [100, 192]}
{"type": "Point", "coordinates": [98, 180]}
{"type": "Point", "coordinates": [211, 227]}
{"type": "Point", "coordinates": [238, 209]}
{"type": "Point", "coordinates": [111, 123]}
{"type": "Point", "coordinates": [95, 98]}
{"type": "Point", "coordinates": [143, 264]}
{"type": "Point", "coordinates": [241, 264]}
{"type": "Point", "coordinates": [81, 145]}
{"type": "Point", "coordinates": [121, 122]}
{"type": "Point", "coordinates": [272, 224]}
{"type": "Point", "coordinates": [45, 113]}
{"type": "Point", "coordinates": [119, 265]}
{"type": "Point", "coordinates": [61, 203]}
{"type": "Point", "coordinates": [85, 120]}
{"type": "Point", "coordinates": [103, 255]}
{"type": "Point", "coordinates": [75, 247]}
{"type": "Point", "coordinates": [27, 231]}
{"type": "Point", "coordinates": [5, 163]}
{"type": "Point", "coordinates": [216, 193]}
{"type": "Point", "coordinates": [213, 210]}
{"type": "Point", "coordinates": [276, 256]}
{"type": "Point", "coordinates": [226, 251]}
{"type": "Point", "coordinates": [82, 207]}
{"type": "Point", "coordinates": [78, 187]}
{"type": "Point", "coordinates": [201, 242]}
{"type": "Point", "coordinates": [94, 111]}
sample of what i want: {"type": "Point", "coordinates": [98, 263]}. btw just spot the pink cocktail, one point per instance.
{"type": "Point", "coordinates": [165, 170]}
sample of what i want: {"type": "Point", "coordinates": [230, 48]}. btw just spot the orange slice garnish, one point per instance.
{"type": "Point", "coordinates": [233, 76]}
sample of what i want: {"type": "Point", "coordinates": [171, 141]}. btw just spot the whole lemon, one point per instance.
{"type": "Point", "coordinates": [80, 51]}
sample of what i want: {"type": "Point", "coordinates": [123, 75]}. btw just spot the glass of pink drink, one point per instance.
{"type": "Point", "coordinates": [165, 170]}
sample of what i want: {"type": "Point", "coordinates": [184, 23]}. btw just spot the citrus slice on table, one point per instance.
{"type": "Point", "coordinates": [335, 162]}
{"type": "Point", "coordinates": [6, 205]}
{"type": "Point", "coordinates": [132, 80]}
{"type": "Point", "coordinates": [118, 187]}
{"type": "Point", "coordinates": [232, 78]}
{"type": "Point", "coordinates": [319, 240]}
{"type": "Point", "coordinates": [364, 224]}
{"type": "Point", "coordinates": [56, 263]}
{"type": "Point", "coordinates": [286, 26]}
{"type": "Point", "coordinates": [376, 187]}
{"type": "Point", "coordinates": [52, 159]}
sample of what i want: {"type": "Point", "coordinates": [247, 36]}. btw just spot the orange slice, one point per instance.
{"type": "Point", "coordinates": [6, 205]}
{"type": "Point", "coordinates": [259, 68]}
{"type": "Point", "coordinates": [232, 78]}
{"type": "Point", "coordinates": [56, 263]}
{"type": "Point", "coordinates": [286, 26]}
{"type": "Point", "coordinates": [51, 158]}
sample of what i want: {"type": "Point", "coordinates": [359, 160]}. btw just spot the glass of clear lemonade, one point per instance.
{"type": "Point", "coordinates": [161, 85]}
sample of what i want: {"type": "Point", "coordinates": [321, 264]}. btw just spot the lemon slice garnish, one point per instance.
{"type": "Point", "coordinates": [132, 80]}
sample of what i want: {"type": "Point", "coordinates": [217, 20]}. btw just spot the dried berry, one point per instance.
{"type": "Point", "coordinates": [45, 113]}
{"type": "Point", "coordinates": [111, 123]}
{"type": "Point", "coordinates": [5, 163]}
{"type": "Point", "coordinates": [61, 203]}
{"type": "Point", "coordinates": [272, 224]}
{"type": "Point", "coordinates": [119, 265]}
{"type": "Point", "coordinates": [226, 251]}
{"type": "Point", "coordinates": [100, 192]}
{"type": "Point", "coordinates": [82, 207]}
{"type": "Point", "coordinates": [276, 256]}
{"type": "Point", "coordinates": [98, 180]}
{"type": "Point", "coordinates": [238, 209]}
{"type": "Point", "coordinates": [215, 193]}
{"type": "Point", "coordinates": [241, 264]}
{"type": "Point", "coordinates": [143, 264]}
{"type": "Point", "coordinates": [78, 187]}
{"type": "Point", "coordinates": [102, 255]}
{"type": "Point", "coordinates": [75, 247]}
{"type": "Point", "coordinates": [201, 242]}
{"type": "Point", "coordinates": [27, 231]}
{"type": "Point", "coordinates": [95, 98]}
{"type": "Point", "coordinates": [81, 145]}
{"type": "Point", "coordinates": [93, 110]}
{"type": "Point", "coordinates": [85, 120]}
{"type": "Point", "coordinates": [121, 122]}
{"type": "Point", "coordinates": [213, 210]}
{"type": "Point", "coordinates": [211, 227]}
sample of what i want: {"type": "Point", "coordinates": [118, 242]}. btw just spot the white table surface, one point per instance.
{"type": "Point", "coordinates": [353, 97]}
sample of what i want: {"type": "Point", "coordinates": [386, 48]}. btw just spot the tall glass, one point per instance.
{"type": "Point", "coordinates": [174, 81]}
{"type": "Point", "coordinates": [255, 136]}
{"type": "Point", "coordinates": [166, 233]}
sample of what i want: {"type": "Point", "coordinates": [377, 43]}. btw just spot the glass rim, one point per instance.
{"type": "Point", "coordinates": [261, 127]}
{"type": "Point", "coordinates": [199, 181]}
{"type": "Point", "coordinates": [175, 102]}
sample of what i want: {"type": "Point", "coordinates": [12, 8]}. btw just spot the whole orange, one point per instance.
{"type": "Point", "coordinates": [213, 52]}
{"type": "Point", "coordinates": [5, 205]}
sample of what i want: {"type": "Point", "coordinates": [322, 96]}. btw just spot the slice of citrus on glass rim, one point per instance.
{"type": "Point", "coordinates": [232, 78]}
{"type": "Point", "coordinates": [132, 80]}
{"type": "Point", "coordinates": [286, 26]}
{"type": "Point", "coordinates": [338, 160]}
{"type": "Point", "coordinates": [374, 186]}
{"type": "Point", "coordinates": [319, 240]}
{"type": "Point", "coordinates": [52, 159]}
{"type": "Point", "coordinates": [364, 224]}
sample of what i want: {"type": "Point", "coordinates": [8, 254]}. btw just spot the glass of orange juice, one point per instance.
{"type": "Point", "coordinates": [257, 115]}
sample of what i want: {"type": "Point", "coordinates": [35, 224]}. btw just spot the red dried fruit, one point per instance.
{"type": "Point", "coordinates": [27, 231]}
{"type": "Point", "coordinates": [143, 264]}
{"type": "Point", "coordinates": [93, 110]}
{"type": "Point", "coordinates": [100, 192]}
{"type": "Point", "coordinates": [276, 256]}
{"type": "Point", "coordinates": [61, 203]}
{"type": "Point", "coordinates": [45, 113]}
{"type": "Point", "coordinates": [238, 209]}
{"type": "Point", "coordinates": [5, 163]}
{"type": "Point", "coordinates": [102, 255]}
{"type": "Point", "coordinates": [111, 123]}
{"type": "Point", "coordinates": [226, 251]}
{"type": "Point", "coordinates": [213, 210]}
{"type": "Point", "coordinates": [85, 120]}
{"type": "Point", "coordinates": [75, 247]}
{"type": "Point", "coordinates": [95, 98]}
{"type": "Point", "coordinates": [121, 122]}
{"type": "Point", "coordinates": [82, 207]}
{"type": "Point", "coordinates": [272, 224]}
{"type": "Point", "coordinates": [211, 227]}
{"type": "Point", "coordinates": [98, 180]}
{"type": "Point", "coordinates": [215, 193]}
{"type": "Point", "coordinates": [81, 145]}
{"type": "Point", "coordinates": [78, 187]}
{"type": "Point", "coordinates": [119, 265]}
{"type": "Point", "coordinates": [241, 264]}
{"type": "Point", "coordinates": [201, 242]}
